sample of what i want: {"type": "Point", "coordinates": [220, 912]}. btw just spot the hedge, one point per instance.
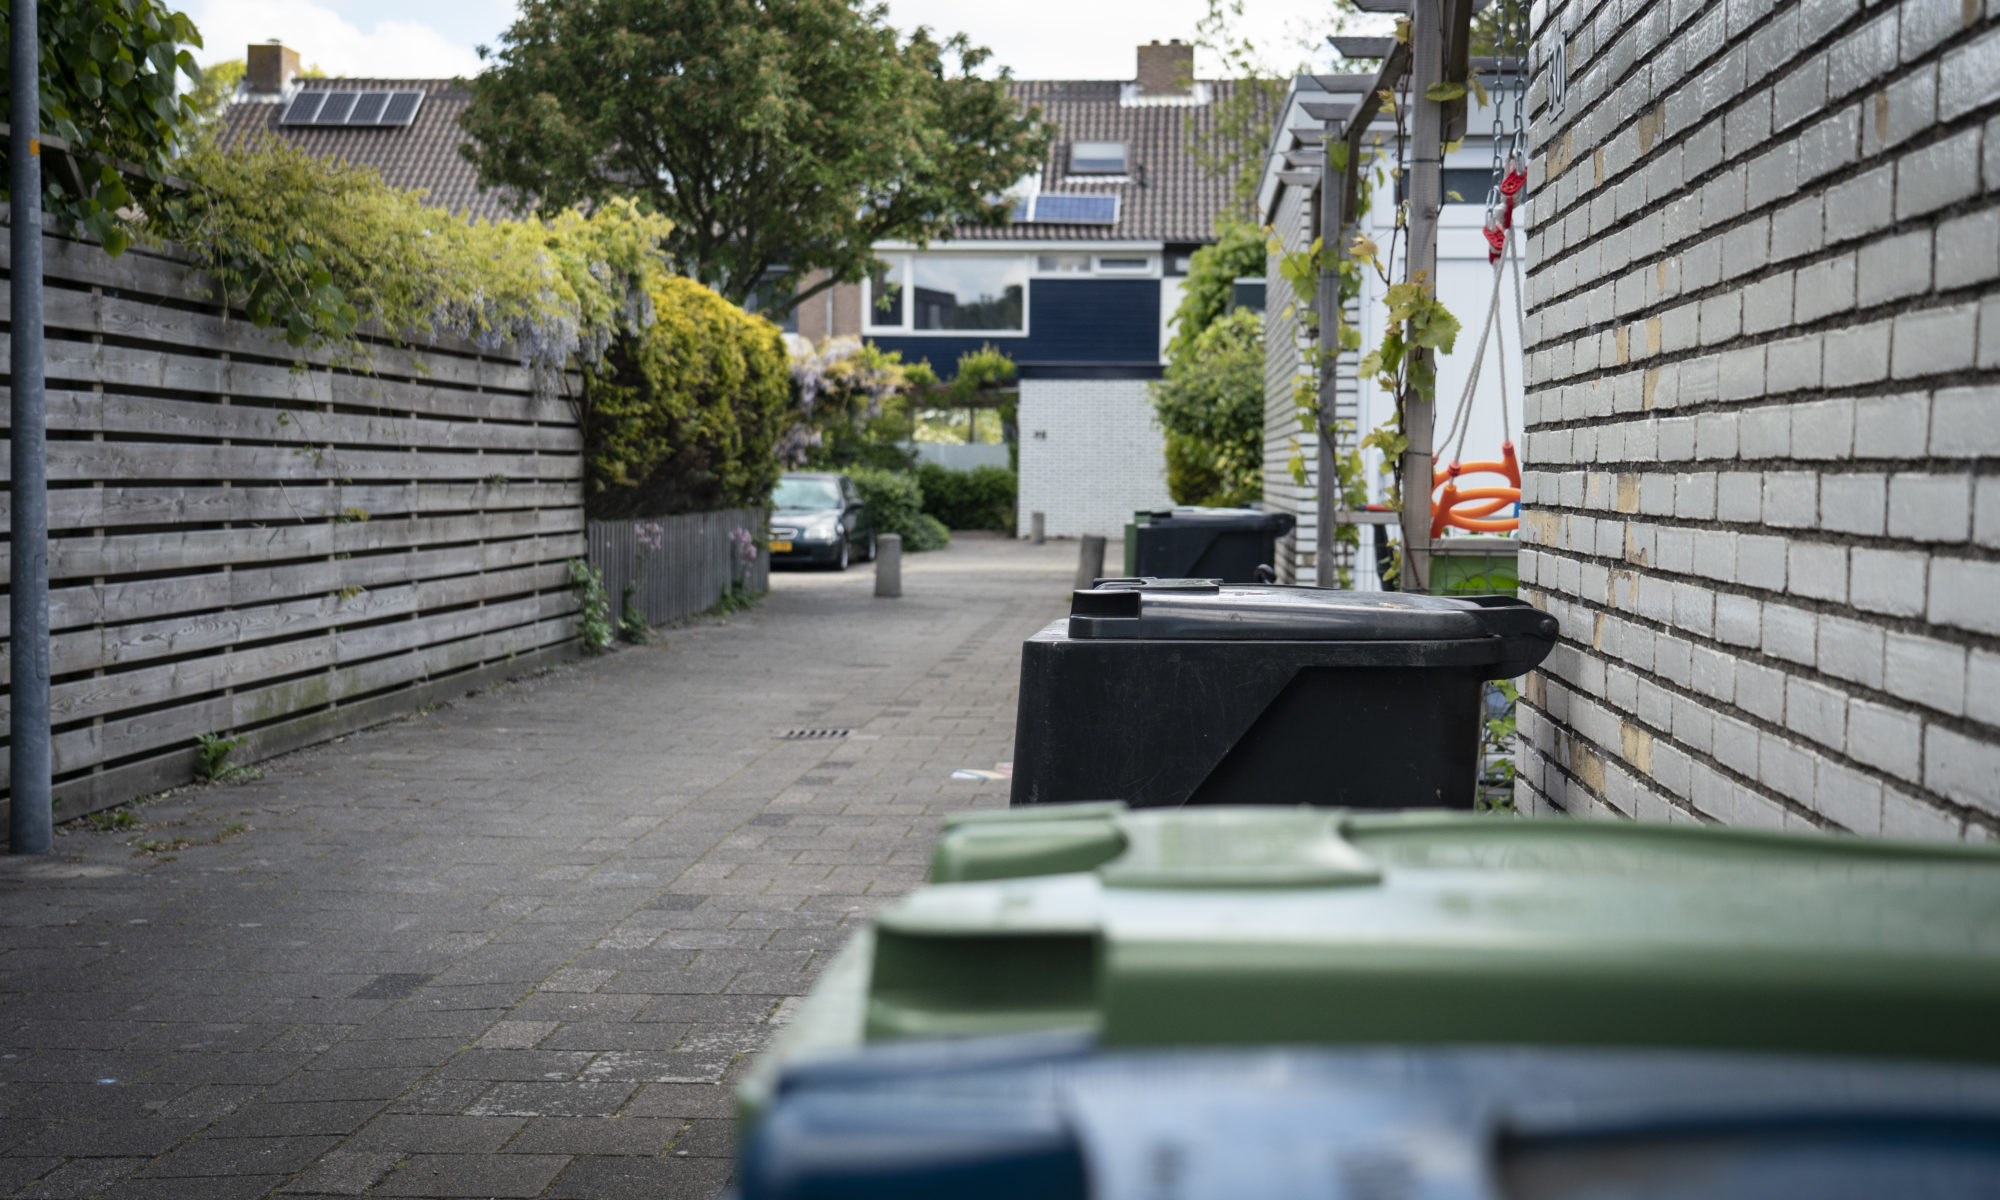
{"type": "Point", "coordinates": [896, 505]}
{"type": "Point", "coordinates": [685, 417]}
{"type": "Point", "coordinates": [982, 498]}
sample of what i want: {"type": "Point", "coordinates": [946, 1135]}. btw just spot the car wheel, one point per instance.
{"type": "Point", "coordinates": [840, 562]}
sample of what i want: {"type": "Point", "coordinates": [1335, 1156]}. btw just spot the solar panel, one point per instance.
{"type": "Point", "coordinates": [1076, 210]}
{"type": "Point", "coordinates": [1021, 210]}
{"type": "Point", "coordinates": [368, 108]}
{"type": "Point", "coordinates": [402, 108]}
{"type": "Point", "coordinates": [303, 107]}
{"type": "Point", "coordinates": [336, 108]}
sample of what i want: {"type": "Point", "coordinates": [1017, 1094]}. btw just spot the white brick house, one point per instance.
{"type": "Point", "coordinates": [1764, 414]}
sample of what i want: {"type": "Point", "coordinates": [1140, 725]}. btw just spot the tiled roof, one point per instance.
{"type": "Point", "coordinates": [423, 154]}
{"type": "Point", "coordinates": [1166, 197]}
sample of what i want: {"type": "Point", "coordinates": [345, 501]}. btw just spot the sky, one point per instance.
{"type": "Point", "coordinates": [1039, 39]}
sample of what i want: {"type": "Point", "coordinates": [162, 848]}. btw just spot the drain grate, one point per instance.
{"type": "Point", "coordinates": [812, 735]}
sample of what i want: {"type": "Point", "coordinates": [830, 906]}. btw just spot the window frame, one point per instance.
{"type": "Point", "coordinates": [909, 262]}
{"type": "Point", "coordinates": [1124, 166]}
{"type": "Point", "coordinates": [1148, 264]}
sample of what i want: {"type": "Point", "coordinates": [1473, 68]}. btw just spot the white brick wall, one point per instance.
{"type": "Point", "coordinates": [1091, 453]}
{"type": "Point", "coordinates": [1764, 414]}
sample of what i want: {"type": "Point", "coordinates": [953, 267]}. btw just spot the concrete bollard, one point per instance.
{"type": "Point", "coordinates": [1037, 528]}
{"type": "Point", "coordinates": [889, 564]}
{"type": "Point", "coordinates": [1089, 561]}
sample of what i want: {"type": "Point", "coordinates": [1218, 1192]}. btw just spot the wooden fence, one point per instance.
{"type": "Point", "coordinates": [244, 548]}
{"type": "Point", "coordinates": [696, 560]}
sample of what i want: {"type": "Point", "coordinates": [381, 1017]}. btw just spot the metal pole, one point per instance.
{"type": "Point", "coordinates": [1089, 561]}
{"type": "Point", "coordinates": [1427, 45]}
{"type": "Point", "coordinates": [31, 814]}
{"type": "Point", "coordinates": [1326, 310]}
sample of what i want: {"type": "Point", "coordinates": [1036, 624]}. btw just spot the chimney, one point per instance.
{"type": "Point", "coordinates": [270, 67]}
{"type": "Point", "coordinates": [1166, 70]}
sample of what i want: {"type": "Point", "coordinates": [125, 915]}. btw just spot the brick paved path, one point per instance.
{"type": "Point", "coordinates": [520, 946]}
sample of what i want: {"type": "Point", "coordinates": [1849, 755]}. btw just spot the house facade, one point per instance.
{"type": "Point", "coordinates": [1079, 289]}
{"type": "Point", "coordinates": [1288, 202]}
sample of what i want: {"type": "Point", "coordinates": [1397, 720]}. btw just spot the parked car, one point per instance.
{"type": "Point", "coordinates": [818, 517]}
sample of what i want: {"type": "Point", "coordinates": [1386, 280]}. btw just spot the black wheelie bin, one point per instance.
{"type": "Point", "coordinates": [1165, 692]}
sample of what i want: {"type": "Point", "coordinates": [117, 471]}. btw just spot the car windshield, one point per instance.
{"type": "Point", "coordinates": [799, 494]}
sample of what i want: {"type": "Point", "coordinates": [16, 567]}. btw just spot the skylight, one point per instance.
{"type": "Point", "coordinates": [1097, 158]}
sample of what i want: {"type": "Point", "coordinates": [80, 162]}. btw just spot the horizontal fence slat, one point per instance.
{"type": "Point", "coordinates": [112, 506]}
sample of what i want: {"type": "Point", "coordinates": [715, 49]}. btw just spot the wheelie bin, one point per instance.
{"type": "Point", "coordinates": [1169, 692]}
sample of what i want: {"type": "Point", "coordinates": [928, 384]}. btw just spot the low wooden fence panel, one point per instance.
{"type": "Point", "coordinates": [683, 564]}
{"type": "Point", "coordinates": [244, 547]}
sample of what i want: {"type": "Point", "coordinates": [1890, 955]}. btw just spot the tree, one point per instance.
{"type": "Point", "coordinates": [108, 90]}
{"type": "Point", "coordinates": [1211, 404]}
{"type": "Point", "coordinates": [780, 136]}
{"type": "Point", "coordinates": [1238, 251]}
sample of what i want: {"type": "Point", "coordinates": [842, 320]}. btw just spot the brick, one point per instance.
{"type": "Point", "coordinates": [1888, 581]}
{"type": "Point", "coordinates": [1721, 318]}
{"type": "Point", "coordinates": [1817, 571]}
{"type": "Point", "coordinates": [1926, 671]}
{"type": "Point", "coordinates": [1862, 57]}
{"type": "Point", "coordinates": [1853, 503]}
{"type": "Point", "coordinates": [1982, 686]}
{"type": "Point", "coordinates": [1737, 620]}
{"type": "Point", "coordinates": [1850, 650]}
{"type": "Point", "coordinates": [1790, 633]}
{"type": "Point", "coordinates": [1848, 797]}
{"type": "Point", "coordinates": [1773, 175]}
{"type": "Point", "coordinates": [1925, 23]}
{"type": "Point", "coordinates": [1965, 422]}
{"type": "Point", "coordinates": [1739, 497]}
{"type": "Point", "coordinates": [1815, 711]}
{"type": "Point", "coordinates": [1827, 287]}
{"type": "Point", "coordinates": [1784, 767]}
{"type": "Point", "coordinates": [1736, 745]}
{"type": "Point", "coordinates": [1888, 739]}
{"type": "Point", "coordinates": [1829, 145]}
{"type": "Point", "coordinates": [1969, 77]}
{"type": "Point", "coordinates": [1800, 94]}
{"type": "Point", "coordinates": [1739, 374]}
{"type": "Point", "coordinates": [1765, 432]}
{"type": "Point", "coordinates": [1905, 816]}
{"type": "Point", "coordinates": [1962, 593]}
{"type": "Point", "coordinates": [1793, 365]}
{"type": "Point", "coordinates": [1760, 561]}
{"type": "Point", "coordinates": [1893, 268]}
{"type": "Point", "coordinates": [1968, 250]}
{"type": "Point", "coordinates": [1746, 248]}
{"type": "Point", "coordinates": [1823, 429]}
{"type": "Point", "coordinates": [1962, 768]}
{"type": "Point", "coordinates": [1937, 175]}
{"type": "Point", "coordinates": [1862, 206]}
{"type": "Point", "coordinates": [1892, 426]}
{"type": "Point", "coordinates": [1899, 112]}
{"type": "Point", "coordinates": [1798, 228]}
{"type": "Point", "coordinates": [1934, 340]}
{"type": "Point", "coordinates": [1790, 499]}
{"type": "Point", "coordinates": [1930, 508]}
{"type": "Point", "coordinates": [1986, 512]}
{"type": "Point", "coordinates": [1817, 18]}
{"type": "Point", "coordinates": [1760, 691]}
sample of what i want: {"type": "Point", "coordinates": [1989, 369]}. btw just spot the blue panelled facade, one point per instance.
{"type": "Point", "coordinates": [1077, 328]}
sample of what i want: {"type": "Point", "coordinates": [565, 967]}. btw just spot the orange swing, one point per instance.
{"type": "Point", "coordinates": [1477, 502]}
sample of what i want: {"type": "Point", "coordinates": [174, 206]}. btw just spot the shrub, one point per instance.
{"type": "Point", "coordinates": [1211, 405]}
{"type": "Point", "coordinates": [982, 498]}
{"type": "Point", "coordinates": [685, 416]}
{"type": "Point", "coordinates": [896, 505]}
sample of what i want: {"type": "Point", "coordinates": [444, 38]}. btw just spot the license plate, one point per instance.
{"type": "Point", "coordinates": [781, 547]}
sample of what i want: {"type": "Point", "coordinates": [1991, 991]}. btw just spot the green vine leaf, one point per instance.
{"type": "Point", "coordinates": [1442, 92]}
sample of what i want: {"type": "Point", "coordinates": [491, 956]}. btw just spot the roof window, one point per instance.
{"type": "Point", "coordinates": [1097, 158]}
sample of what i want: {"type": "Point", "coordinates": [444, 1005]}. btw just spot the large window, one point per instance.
{"type": "Point", "coordinates": [962, 293]}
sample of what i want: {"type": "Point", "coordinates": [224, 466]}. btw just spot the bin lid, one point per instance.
{"type": "Point", "coordinates": [1015, 1116]}
{"type": "Point", "coordinates": [1204, 610]}
{"type": "Point", "coordinates": [1219, 519]}
{"type": "Point", "coordinates": [1312, 925]}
